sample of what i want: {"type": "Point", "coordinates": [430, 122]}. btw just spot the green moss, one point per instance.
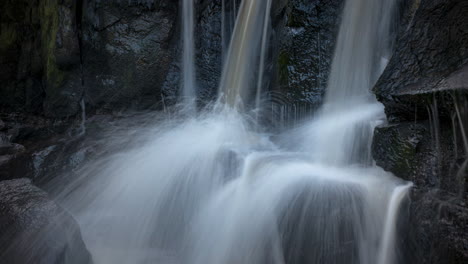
{"type": "Point", "coordinates": [406, 155]}
{"type": "Point", "coordinates": [8, 36]}
{"type": "Point", "coordinates": [401, 149]}
{"type": "Point", "coordinates": [296, 19]}
{"type": "Point", "coordinates": [49, 28]}
{"type": "Point", "coordinates": [283, 63]}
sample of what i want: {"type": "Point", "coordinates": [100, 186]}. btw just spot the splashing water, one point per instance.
{"type": "Point", "coordinates": [209, 189]}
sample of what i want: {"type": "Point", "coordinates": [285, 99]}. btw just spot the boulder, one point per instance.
{"type": "Point", "coordinates": [34, 229]}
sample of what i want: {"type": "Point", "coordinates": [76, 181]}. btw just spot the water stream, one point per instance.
{"type": "Point", "coordinates": [188, 84]}
{"type": "Point", "coordinates": [211, 189]}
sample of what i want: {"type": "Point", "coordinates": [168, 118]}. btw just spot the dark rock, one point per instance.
{"type": "Point", "coordinates": [306, 48]}
{"type": "Point", "coordinates": [208, 57]}
{"type": "Point", "coordinates": [410, 151]}
{"type": "Point", "coordinates": [20, 55]}
{"type": "Point", "coordinates": [396, 148]}
{"type": "Point", "coordinates": [209, 48]}
{"type": "Point", "coordinates": [11, 149]}
{"type": "Point", "coordinates": [127, 52]}
{"type": "Point", "coordinates": [33, 229]}
{"type": "Point", "coordinates": [109, 53]}
{"type": "Point", "coordinates": [438, 210]}
{"type": "Point", "coordinates": [430, 56]}
{"type": "Point", "coordinates": [424, 90]}
{"type": "Point", "coordinates": [438, 228]}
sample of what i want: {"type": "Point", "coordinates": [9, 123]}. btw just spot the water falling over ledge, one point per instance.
{"type": "Point", "coordinates": [210, 189]}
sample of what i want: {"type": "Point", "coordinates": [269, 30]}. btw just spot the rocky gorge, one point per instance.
{"type": "Point", "coordinates": [72, 70]}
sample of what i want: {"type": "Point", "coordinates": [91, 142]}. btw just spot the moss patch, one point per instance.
{"type": "Point", "coordinates": [283, 63]}
{"type": "Point", "coordinates": [8, 36]}
{"type": "Point", "coordinates": [49, 28]}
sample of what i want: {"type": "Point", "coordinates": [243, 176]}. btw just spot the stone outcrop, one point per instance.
{"type": "Point", "coordinates": [33, 229]}
{"type": "Point", "coordinates": [430, 58]}
{"type": "Point", "coordinates": [424, 90]}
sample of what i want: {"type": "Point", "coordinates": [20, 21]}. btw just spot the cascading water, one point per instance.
{"type": "Point", "coordinates": [342, 133]}
{"type": "Point", "coordinates": [228, 20]}
{"type": "Point", "coordinates": [210, 190]}
{"type": "Point", "coordinates": [242, 60]}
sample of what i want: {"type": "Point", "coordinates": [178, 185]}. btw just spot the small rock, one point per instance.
{"type": "Point", "coordinates": [5, 159]}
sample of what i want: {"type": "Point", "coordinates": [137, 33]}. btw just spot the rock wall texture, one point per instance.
{"type": "Point", "coordinates": [108, 54]}
{"type": "Point", "coordinates": [306, 45]}
{"type": "Point", "coordinates": [431, 56]}
{"type": "Point", "coordinates": [424, 90]}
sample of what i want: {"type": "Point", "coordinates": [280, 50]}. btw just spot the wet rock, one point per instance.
{"type": "Point", "coordinates": [424, 90]}
{"type": "Point", "coordinates": [33, 229]}
{"type": "Point", "coordinates": [438, 210]}
{"type": "Point", "coordinates": [209, 48]}
{"type": "Point", "coordinates": [208, 53]}
{"type": "Point", "coordinates": [396, 147]}
{"type": "Point", "coordinates": [438, 228]}
{"type": "Point", "coordinates": [410, 151]}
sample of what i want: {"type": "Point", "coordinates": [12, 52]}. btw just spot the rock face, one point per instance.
{"type": "Point", "coordinates": [127, 51]}
{"type": "Point", "coordinates": [424, 90]}
{"type": "Point", "coordinates": [109, 55]}
{"type": "Point", "coordinates": [430, 58]}
{"type": "Point", "coordinates": [306, 45]}
{"type": "Point", "coordinates": [33, 229]}
{"type": "Point", "coordinates": [106, 53]}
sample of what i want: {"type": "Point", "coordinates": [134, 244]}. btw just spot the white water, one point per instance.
{"type": "Point", "coordinates": [343, 131]}
{"type": "Point", "coordinates": [188, 86]}
{"type": "Point", "coordinates": [209, 189]}
{"type": "Point", "coordinates": [228, 20]}
{"type": "Point", "coordinates": [241, 65]}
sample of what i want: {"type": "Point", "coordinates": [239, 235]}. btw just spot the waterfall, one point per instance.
{"type": "Point", "coordinates": [362, 48]}
{"type": "Point", "coordinates": [210, 189]}
{"type": "Point", "coordinates": [344, 128]}
{"type": "Point", "coordinates": [228, 20]}
{"type": "Point", "coordinates": [83, 117]}
{"type": "Point", "coordinates": [241, 65]}
{"type": "Point", "coordinates": [188, 86]}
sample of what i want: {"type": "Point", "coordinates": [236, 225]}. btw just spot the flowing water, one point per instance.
{"type": "Point", "coordinates": [188, 86]}
{"type": "Point", "coordinates": [243, 56]}
{"type": "Point", "coordinates": [210, 189]}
